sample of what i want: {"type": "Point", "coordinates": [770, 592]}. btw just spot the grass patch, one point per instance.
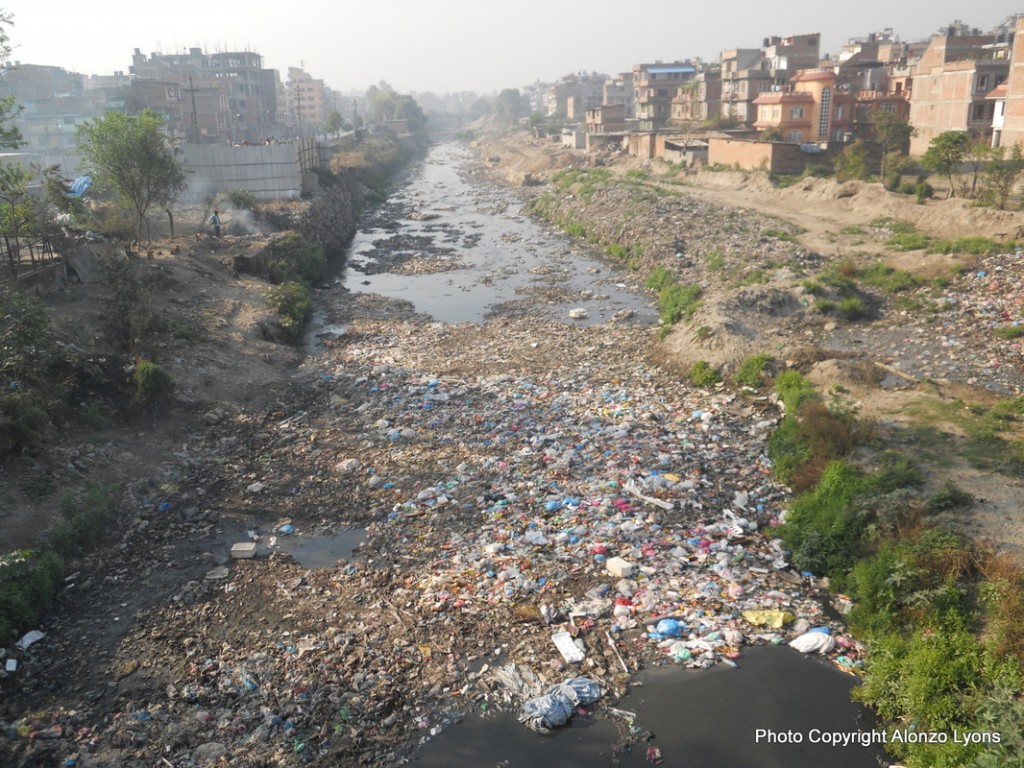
{"type": "Point", "coordinates": [659, 279]}
{"type": "Point", "coordinates": [888, 279]}
{"type": "Point", "coordinates": [678, 302]}
{"type": "Point", "coordinates": [714, 261]}
{"type": "Point", "coordinates": [703, 374]}
{"type": "Point", "coordinates": [780, 234]}
{"type": "Point", "coordinates": [1010, 332]}
{"type": "Point", "coordinates": [752, 370]}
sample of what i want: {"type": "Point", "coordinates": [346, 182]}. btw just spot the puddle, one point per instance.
{"type": "Point", "coordinates": [699, 718]}
{"type": "Point", "coordinates": [464, 250]}
{"type": "Point", "coordinates": [317, 551]}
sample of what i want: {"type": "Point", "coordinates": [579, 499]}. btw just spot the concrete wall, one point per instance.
{"type": "Point", "coordinates": [774, 157]}
{"type": "Point", "coordinates": [267, 172]}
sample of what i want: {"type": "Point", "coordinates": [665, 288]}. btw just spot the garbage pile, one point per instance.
{"type": "Point", "coordinates": [582, 518]}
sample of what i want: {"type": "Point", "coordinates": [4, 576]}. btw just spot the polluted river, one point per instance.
{"type": "Point", "coordinates": [483, 528]}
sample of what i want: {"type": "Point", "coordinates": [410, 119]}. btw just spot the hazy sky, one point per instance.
{"type": "Point", "coordinates": [455, 45]}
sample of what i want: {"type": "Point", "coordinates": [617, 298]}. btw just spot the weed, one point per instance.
{"type": "Point", "coordinates": [23, 421]}
{"type": "Point", "coordinates": [703, 374]}
{"type": "Point", "coordinates": [293, 303]}
{"type": "Point", "coordinates": [714, 261]}
{"type": "Point", "coordinates": [853, 308]}
{"type": "Point", "coordinates": [814, 288]}
{"type": "Point", "coordinates": [1010, 332]}
{"type": "Point", "coordinates": [152, 382]}
{"type": "Point", "coordinates": [751, 372]}
{"type": "Point", "coordinates": [659, 279]}
{"type": "Point", "coordinates": [854, 230]}
{"type": "Point", "coordinates": [887, 278]}
{"type": "Point", "coordinates": [677, 302]}
{"type": "Point", "coordinates": [38, 485]}
{"type": "Point", "coordinates": [779, 234]}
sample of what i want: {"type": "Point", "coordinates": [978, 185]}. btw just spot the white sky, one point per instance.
{"type": "Point", "coordinates": [455, 45]}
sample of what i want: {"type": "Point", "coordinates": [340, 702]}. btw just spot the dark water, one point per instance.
{"type": "Point", "coordinates": [441, 212]}
{"type": "Point", "coordinates": [699, 719]}
{"type": "Point", "coordinates": [322, 551]}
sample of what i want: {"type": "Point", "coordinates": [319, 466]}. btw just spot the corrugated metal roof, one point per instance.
{"type": "Point", "coordinates": [668, 69]}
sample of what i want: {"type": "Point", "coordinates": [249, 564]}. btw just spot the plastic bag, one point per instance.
{"type": "Point", "coordinates": [813, 642]}
{"type": "Point", "coordinates": [555, 707]}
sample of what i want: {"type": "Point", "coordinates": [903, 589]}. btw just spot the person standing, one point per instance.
{"type": "Point", "coordinates": [215, 221]}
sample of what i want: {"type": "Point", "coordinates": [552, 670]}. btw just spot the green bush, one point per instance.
{"type": "Point", "coordinates": [794, 389]}
{"type": "Point", "coordinates": [887, 278]}
{"type": "Point", "coordinates": [853, 308]}
{"type": "Point", "coordinates": [924, 191]}
{"type": "Point", "coordinates": [26, 590]}
{"type": "Point", "coordinates": [659, 279]}
{"type": "Point", "coordinates": [1010, 332]}
{"type": "Point", "coordinates": [676, 302]}
{"type": "Point", "coordinates": [751, 372]}
{"type": "Point", "coordinates": [292, 258]}
{"type": "Point", "coordinates": [242, 199]}
{"type": "Point", "coordinates": [906, 188]}
{"type": "Point", "coordinates": [703, 374]}
{"type": "Point", "coordinates": [824, 530]}
{"type": "Point", "coordinates": [152, 383]}
{"type": "Point", "coordinates": [293, 303]}
{"type": "Point", "coordinates": [22, 422]}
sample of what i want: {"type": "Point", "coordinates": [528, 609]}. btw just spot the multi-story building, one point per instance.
{"type": "Point", "coordinates": [1007, 99]}
{"type": "Point", "coordinates": [618, 91]}
{"type": "Point", "coordinates": [226, 96]}
{"type": "Point", "coordinates": [654, 88]}
{"type": "Point", "coordinates": [699, 100]}
{"type": "Point", "coordinates": [749, 72]}
{"type": "Point", "coordinates": [810, 110]}
{"type": "Point", "coordinates": [308, 100]}
{"type": "Point", "coordinates": [951, 84]}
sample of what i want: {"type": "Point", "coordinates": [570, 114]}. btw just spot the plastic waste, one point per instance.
{"type": "Point", "coordinates": [813, 642]}
{"type": "Point", "coordinates": [556, 706]}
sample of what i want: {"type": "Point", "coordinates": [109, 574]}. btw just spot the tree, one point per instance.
{"type": "Point", "coordinates": [1001, 173]}
{"type": "Point", "coordinates": [130, 155]}
{"type": "Point", "coordinates": [334, 122]}
{"type": "Point", "coordinates": [10, 136]}
{"type": "Point", "coordinates": [852, 163]}
{"type": "Point", "coordinates": [946, 153]}
{"type": "Point", "coordinates": [893, 132]}
{"type": "Point", "coordinates": [977, 153]}
{"type": "Point", "coordinates": [508, 106]}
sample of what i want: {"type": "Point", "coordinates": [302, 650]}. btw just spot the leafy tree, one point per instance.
{"type": "Point", "coordinates": [130, 154]}
{"type": "Point", "coordinates": [334, 122]}
{"type": "Point", "coordinates": [10, 136]}
{"type": "Point", "coordinates": [946, 153]}
{"type": "Point", "coordinates": [977, 153]}
{"type": "Point", "coordinates": [852, 163]}
{"type": "Point", "coordinates": [508, 106]}
{"type": "Point", "coordinates": [893, 132]}
{"type": "Point", "coordinates": [1001, 173]}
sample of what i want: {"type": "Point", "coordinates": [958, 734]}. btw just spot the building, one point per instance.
{"type": "Point", "coordinates": [746, 73]}
{"type": "Point", "coordinates": [618, 91]}
{"type": "Point", "coordinates": [699, 100]}
{"type": "Point", "coordinates": [608, 118]}
{"type": "Point", "coordinates": [226, 97]}
{"type": "Point", "coordinates": [1007, 99]}
{"type": "Point", "coordinates": [810, 110]}
{"type": "Point", "coordinates": [951, 84]}
{"type": "Point", "coordinates": [308, 100]}
{"type": "Point", "coordinates": [654, 88]}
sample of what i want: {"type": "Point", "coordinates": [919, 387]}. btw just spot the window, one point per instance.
{"type": "Point", "coordinates": [825, 113]}
{"type": "Point", "coordinates": [982, 86]}
{"type": "Point", "coordinates": [840, 110]}
{"type": "Point", "coordinates": [796, 112]}
{"type": "Point", "coordinates": [795, 136]}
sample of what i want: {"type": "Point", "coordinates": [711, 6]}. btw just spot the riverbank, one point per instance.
{"type": "Point", "coordinates": [498, 470]}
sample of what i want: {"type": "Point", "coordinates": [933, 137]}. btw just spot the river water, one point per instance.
{"type": "Point", "coordinates": [460, 250]}
{"type": "Point", "coordinates": [493, 257]}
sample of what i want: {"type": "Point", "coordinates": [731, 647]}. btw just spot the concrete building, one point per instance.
{"type": "Point", "coordinates": [239, 96]}
{"type": "Point", "coordinates": [700, 100]}
{"type": "Point", "coordinates": [618, 91]}
{"type": "Point", "coordinates": [810, 110]}
{"type": "Point", "coordinates": [1007, 99]}
{"type": "Point", "coordinates": [308, 101]}
{"type": "Point", "coordinates": [654, 88]}
{"type": "Point", "coordinates": [951, 84]}
{"type": "Point", "coordinates": [749, 72]}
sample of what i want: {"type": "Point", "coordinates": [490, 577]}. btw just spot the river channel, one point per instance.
{"type": "Point", "coordinates": [461, 250]}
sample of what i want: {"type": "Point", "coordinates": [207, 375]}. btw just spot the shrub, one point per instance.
{"type": "Point", "coordinates": [924, 191]}
{"type": "Point", "coordinates": [293, 303]}
{"type": "Point", "coordinates": [152, 382]}
{"type": "Point", "coordinates": [824, 530]}
{"type": "Point", "coordinates": [1010, 332]}
{"type": "Point", "coordinates": [676, 302]}
{"type": "Point", "coordinates": [242, 199]}
{"type": "Point", "coordinates": [659, 278]}
{"type": "Point", "coordinates": [294, 259]}
{"type": "Point", "coordinates": [703, 374]}
{"type": "Point", "coordinates": [26, 589]}
{"type": "Point", "coordinates": [794, 389]}
{"type": "Point", "coordinates": [853, 308]}
{"type": "Point", "coordinates": [887, 278]}
{"type": "Point", "coordinates": [751, 371]}
{"type": "Point", "coordinates": [22, 422]}
{"type": "Point", "coordinates": [126, 301]}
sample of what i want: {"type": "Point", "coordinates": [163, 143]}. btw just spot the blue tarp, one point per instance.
{"type": "Point", "coordinates": [80, 186]}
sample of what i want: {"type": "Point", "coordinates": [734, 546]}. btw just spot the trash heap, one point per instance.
{"type": "Point", "coordinates": [583, 521]}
